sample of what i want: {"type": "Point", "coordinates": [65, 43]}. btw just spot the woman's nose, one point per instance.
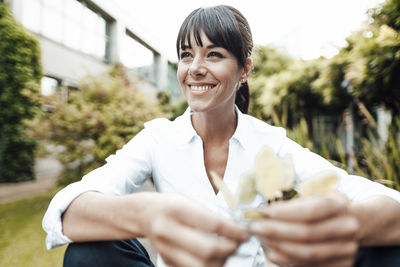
{"type": "Point", "coordinates": [197, 68]}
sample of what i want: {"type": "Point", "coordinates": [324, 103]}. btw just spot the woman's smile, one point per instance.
{"type": "Point", "coordinates": [209, 75]}
{"type": "Point", "coordinates": [201, 89]}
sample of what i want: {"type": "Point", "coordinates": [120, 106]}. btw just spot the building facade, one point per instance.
{"type": "Point", "coordinates": [82, 37]}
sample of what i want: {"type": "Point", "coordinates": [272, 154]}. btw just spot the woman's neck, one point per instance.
{"type": "Point", "coordinates": [215, 127]}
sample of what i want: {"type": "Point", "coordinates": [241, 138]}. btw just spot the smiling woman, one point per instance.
{"type": "Point", "coordinates": [188, 221]}
{"type": "Point", "coordinates": [210, 76]}
{"type": "Point", "coordinates": [204, 53]}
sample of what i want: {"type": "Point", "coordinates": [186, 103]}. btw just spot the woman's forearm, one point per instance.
{"type": "Point", "coordinates": [175, 226]}
{"type": "Point", "coordinates": [379, 219]}
{"type": "Point", "coordinates": [93, 216]}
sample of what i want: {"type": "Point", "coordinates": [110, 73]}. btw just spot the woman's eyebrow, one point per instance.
{"type": "Point", "coordinates": [184, 47]}
{"type": "Point", "coordinates": [213, 46]}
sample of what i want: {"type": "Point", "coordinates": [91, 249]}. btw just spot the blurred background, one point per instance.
{"type": "Point", "coordinates": [78, 79]}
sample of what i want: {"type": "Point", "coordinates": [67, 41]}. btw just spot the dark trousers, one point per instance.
{"type": "Point", "coordinates": [122, 253]}
{"type": "Point", "coordinates": [132, 253]}
{"type": "Point", "coordinates": [378, 257]}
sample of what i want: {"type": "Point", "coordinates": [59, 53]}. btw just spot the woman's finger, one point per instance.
{"type": "Point", "coordinates": [278, 258]}
{"type": "Point", "coordinates": [176, 257]}
{"type": "Point", "coordinates": [307, 209]}
{"type": "Point", "coordinates": [200, 244]}
{"type": "Point", "coordinates": [339, 227]}
{"type": "Point", "coordinates": [196, 216]}
{"type": "Point", "coordinates": [314, 252]}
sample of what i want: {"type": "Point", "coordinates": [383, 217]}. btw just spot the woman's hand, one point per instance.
{"type": "Point", "coordinates": [187, 234]}
{"type": "Point", "coordinates": [315, 231]}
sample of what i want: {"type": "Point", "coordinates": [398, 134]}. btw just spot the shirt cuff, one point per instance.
{"type": "Point", "coordinates": [358, 188]}
{"type": "Point", "coordinates": [52, 223]}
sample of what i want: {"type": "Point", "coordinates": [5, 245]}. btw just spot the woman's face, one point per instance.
{"type": "Point", "coordinates": [209, 75]}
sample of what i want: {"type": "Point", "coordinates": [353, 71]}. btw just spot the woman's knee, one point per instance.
{"type": "Point", "coordinates": [378, 256]}
{"type": "Point", "coordinates": [107, 253]}
{"type": "Point", "coordinates": [84, 254]}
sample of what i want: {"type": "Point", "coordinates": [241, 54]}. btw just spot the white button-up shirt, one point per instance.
{"type": "Point", "coordinates": [172, 153]}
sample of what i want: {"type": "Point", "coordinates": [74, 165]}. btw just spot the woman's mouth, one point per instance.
{"type": "Point", "coordinates": [201, 88]}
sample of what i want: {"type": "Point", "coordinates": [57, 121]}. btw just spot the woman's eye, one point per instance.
{"type": "Point", "coordinates": [185, 54]}
{"type": "Point", "coordinates": [215, 54]}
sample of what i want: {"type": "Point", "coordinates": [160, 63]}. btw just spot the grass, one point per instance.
{"type": "Point", "coordinates": [22, 237]}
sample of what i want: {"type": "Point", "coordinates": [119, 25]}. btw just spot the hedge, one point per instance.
{"type": "Point", "coordinates": [20, 74]}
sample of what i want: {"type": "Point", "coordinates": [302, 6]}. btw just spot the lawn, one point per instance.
{"type": "Point", "coordinates": [22, 237]}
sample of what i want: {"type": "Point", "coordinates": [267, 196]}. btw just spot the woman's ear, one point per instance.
{"type": "Point", "coordinates": [247, 69]}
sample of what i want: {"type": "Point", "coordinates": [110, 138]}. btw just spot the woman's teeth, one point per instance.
{"type": "Point", "coordinates": [201, 88]}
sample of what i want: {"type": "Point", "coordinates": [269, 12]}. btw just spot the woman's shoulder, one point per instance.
{"type": "Point", "coordinates": [157, 123]}
{"type": "Point", "coordinates": [257, 134]}
{"type": "Point", "coordinates": [158, 127]}
{"type": "Point", "coordinates": [165, 129]}
{"type": "Point", "coordinates": [164, 123]}
{"type": "Point", "coordinates": [262, 127]}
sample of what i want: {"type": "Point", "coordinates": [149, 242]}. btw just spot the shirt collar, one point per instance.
{"type": "Point", "coordinates": [187, 132]}
{"type": "Point", "coordinates": [242, 131]}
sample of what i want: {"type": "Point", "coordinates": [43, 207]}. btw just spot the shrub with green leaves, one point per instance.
{"type": "Point", "coordinates": [373, 159]}
{"type": "Point", "coordinates": [378, 159]}
{"type": "Point", "coordinates": [20, 73]}
{"type": "Point", "coordinates": [99, 118]}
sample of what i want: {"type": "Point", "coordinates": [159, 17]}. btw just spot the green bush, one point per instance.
{"type": "Point", "coordinates": [296, 93]}
{"type": "Point", "coordinates": [99, 118]}
{"type": "Point", "coordinates": [372, 159]}
{"type": "Point", "coordinates": [20, 73]}
{"type": "Point", "coordinates": [378, 159]}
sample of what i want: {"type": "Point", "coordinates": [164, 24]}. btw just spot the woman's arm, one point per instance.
{"type": "Point", "coordinates": [177, 227]}
{"type": "Point", "coordinates": [326, 230]}
{"type": "Point", "coordinates": [94, 216]}
{"type": "Point", "coordinates": [313, 231]}
{"type": "Point", "coordinates": [379, 219]}
{"type": "Point", "coordinates": [123, 174]}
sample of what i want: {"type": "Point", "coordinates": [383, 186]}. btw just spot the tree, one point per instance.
{"type": "Point", "coordinates": [374, 56]}
{"type": "Point", "coordinates": [20, 74]}
{"type": "Point", "coordinates": [387, 13]}
{"type": "Point", "coordinates": [267, 62]}
{"type": "Point", "coordinates": [329, 84]}
{"type": "Point", "coordinates": [283, 84]}
{"type": "Point", "coordinates": [99, 118]}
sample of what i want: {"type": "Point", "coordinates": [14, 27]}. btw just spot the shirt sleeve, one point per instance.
{"type": "Point", "coordinates": [123, 173]}
{"type": "Point", "coordinates": [356, 188]}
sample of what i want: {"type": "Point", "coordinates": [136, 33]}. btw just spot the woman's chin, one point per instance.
{"type": "Point", "coordinates": [196, 108]}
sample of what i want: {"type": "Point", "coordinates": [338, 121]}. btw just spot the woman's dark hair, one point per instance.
{"type": "Point", "coordinates": [226, 27]}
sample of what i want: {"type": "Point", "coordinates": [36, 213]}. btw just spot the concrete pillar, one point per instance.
{"type": "Point", "coordinates": [349, 129]}
{"type": "Point", "coordinates": [384, 118]}
{"type": "Point", "coordinates": [162, 72]}
{"type": "Point", "coordinates": [117, 34]}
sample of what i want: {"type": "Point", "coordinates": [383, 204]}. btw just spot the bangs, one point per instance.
{"type": "Point", "coordinates": [217, 23]}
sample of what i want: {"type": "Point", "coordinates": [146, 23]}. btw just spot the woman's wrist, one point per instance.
{"type": "Point", "coordinates": [357, 209]}
{"type": "Point", "coordinates": [378, 220]}
{"type": "Point", "coordinates": [139, 209]}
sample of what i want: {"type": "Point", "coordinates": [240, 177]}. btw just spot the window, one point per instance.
{"type": "Point", "coordinates": [134, 54]}
{"type": "Point", "coordinates": [173, 84]}
{"type": "Point", "coordinates": [138, 57]}
{"type": "Point", "coordinates": [69, 22]}
{"type": "Point", "coordinates": [48, 86]}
